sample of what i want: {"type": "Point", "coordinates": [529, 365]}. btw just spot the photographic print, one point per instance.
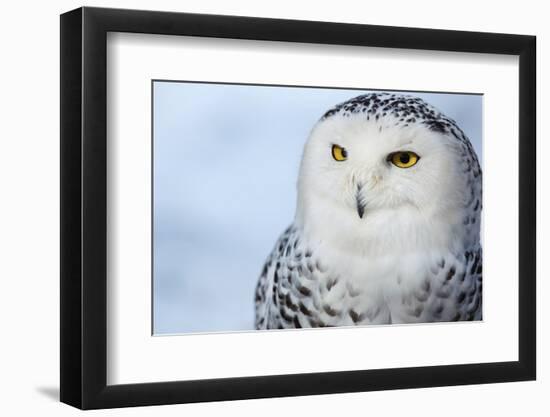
{"type": "Point", "coordinates": [218, 211]}
{"type": "Point", "coordinates": [281, 207]}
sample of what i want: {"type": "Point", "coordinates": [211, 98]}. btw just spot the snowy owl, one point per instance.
{"type": "Point", "coordinates": [387, 223]}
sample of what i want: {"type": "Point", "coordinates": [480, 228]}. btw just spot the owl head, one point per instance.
{"type": "Point", "coordinates": [389, 169]}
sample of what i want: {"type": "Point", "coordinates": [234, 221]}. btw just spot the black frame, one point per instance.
{"type": "Point", "coordinates": [84, 208]}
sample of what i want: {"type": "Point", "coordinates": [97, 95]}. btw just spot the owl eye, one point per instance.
{"type": "Point", "coordinates": [403, 159]}
{"type": "Point", "coordinates": [339, 153]}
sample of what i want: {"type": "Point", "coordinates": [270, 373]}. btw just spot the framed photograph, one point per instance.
{"type": "Point", "coordinates": [257, 208]}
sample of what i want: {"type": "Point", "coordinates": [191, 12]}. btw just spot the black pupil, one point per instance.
{"type": "Point", "coordinates": [344, 153]}
{"type": "Point", "coordinates": [404, 158]}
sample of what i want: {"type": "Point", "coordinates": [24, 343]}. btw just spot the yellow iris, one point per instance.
{"type": "Point", "coordinates": [339, 153]}
{"type": "Point", "coordinates": [403, 159]}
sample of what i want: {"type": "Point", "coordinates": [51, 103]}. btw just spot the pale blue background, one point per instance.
{"type": "Point", "coordinates": [226, 160]}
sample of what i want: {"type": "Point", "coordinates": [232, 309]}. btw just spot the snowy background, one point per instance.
{"type": "Point", "coordinates": [226, 161]}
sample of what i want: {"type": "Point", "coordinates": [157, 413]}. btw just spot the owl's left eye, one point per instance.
{"type": "Point", "coordinates": [339, 153]}
{"type": "Point", "coordinates": [403, 159]}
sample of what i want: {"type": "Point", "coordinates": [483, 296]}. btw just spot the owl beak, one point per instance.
{"type": "Point", "coordinates": [359, 202]}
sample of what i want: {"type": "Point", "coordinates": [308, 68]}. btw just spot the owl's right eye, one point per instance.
{"type": "Point", "coordinates": [338, 153]}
